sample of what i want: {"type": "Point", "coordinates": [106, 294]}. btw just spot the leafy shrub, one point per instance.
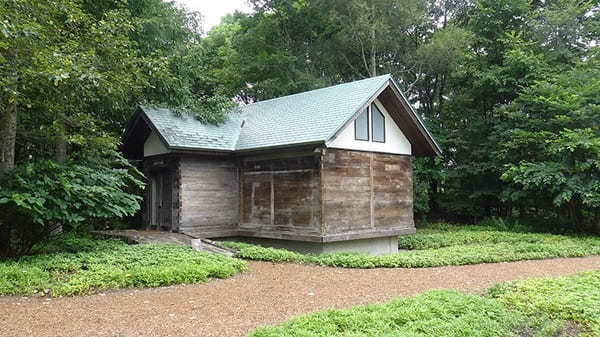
{"type": "Point", "coordinates": [441, 245]}
{"type": "Point", "coordinates": [88, 265]}
{"type": "Point", "coordinates": [504, 224]}
{"type": "Point", "coordinates": [38, 197]}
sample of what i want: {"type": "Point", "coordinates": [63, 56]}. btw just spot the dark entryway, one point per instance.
{"type": "Point", "coordinates": [161, 192]}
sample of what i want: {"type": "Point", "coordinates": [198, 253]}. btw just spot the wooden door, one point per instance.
{"type": "Point", "coordinates": [155, 200]}
{"type": "Point", "coordinates": [166, 208]}
{"type": "Point", "coordinates": [161, 200]}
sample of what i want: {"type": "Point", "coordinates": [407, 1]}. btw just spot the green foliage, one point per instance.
{"type": "Point", "coordinates": [75, 71]}
{"type": "Point", "coordinates": [538, 307]}
{"type": "Point", "coordinates": [434, 236]}
{"type": "Point", "coordinates": [506, 154]}
{"type": "Point", "coordinates": [574, 298]}
{"type": "Point", "coordinates": [39, 196]}
{"type": "Point", "coordinates": [435, 313]}
{"type": "Point", "coordinates": [73, 265]}
{"type": "Point", "coordinates": [421, 186]}
{"type": "Point", "coordinates": [78, 69]}
{"type": "Point", "coordinates": [508, 87]}
{"type": "Point", "coordinates": [559, 158]}
{"type": "Point", "coordinates": [442, 245]}
{"type": "Point", "coordinates": [74, 243]}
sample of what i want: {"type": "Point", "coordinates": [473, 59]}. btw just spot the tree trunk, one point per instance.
{"type": "Point", "coordinates": [441, 95]}
{"type": "Point", "coordinates": [373, 43]}
{"type": "Point", "coordinates": [433, 205]}
{"type": "Point", "coordinates": [60, 145]}
{"type": "Point", "coordinates": [8, 135]}
{"type": "Point", "coordinates": [373, 58]}
{"type": "Point", "coordinates": [597, 220]}
{"type": "Point", "coordinates": [575, 212]}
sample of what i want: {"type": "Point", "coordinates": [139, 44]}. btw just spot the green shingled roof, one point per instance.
{"type": "Point", "coordinates": [186, 132]}
{"type": "Point", "coordinates": [308, 117]}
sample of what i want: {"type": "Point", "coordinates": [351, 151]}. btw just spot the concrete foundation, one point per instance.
{"type": "Point", "coordinates": [374, 246]}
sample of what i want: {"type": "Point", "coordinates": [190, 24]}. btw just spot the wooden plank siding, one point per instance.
{"type": "Point", "coordinates": [323, 196]}
{"type": "Point", "coordinates": [366, 194]}
{"type": "Point", "coordinates": [392, 191]}
{"type": "Point", "coordinates": [347, 191]}
{"type": "Point", "coordinates": [209, 198]}
{"type": "Point", "coordinates": [280, 198]}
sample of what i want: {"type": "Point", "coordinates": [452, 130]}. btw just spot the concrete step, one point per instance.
{"type": "Point", "coordinates": [206, 245]}
{"type": "Point", "coordinates": [157, 236]}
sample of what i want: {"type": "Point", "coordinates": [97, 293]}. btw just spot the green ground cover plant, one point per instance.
{"type": "Point", "coordinates": [440, 313]}
{"type": "Point", "coordinates": [433, 236]}
{"type": "Point", "coordinates": [574, 298]}
{"type": "Point", "coordinates": [440, 245]}
{"type": "Point", "coordinates": [73, 265]}
{"type": "Point", "coordinates": [543, 307]}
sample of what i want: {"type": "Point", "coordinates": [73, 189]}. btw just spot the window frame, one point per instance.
{"type": "Point", "coordinates": [368, 112]}
{"type": "Point", "coordinates": [373, 124]}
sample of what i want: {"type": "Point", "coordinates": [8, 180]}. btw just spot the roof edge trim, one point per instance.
{"type": "Point", "coordinates": [436, 147]}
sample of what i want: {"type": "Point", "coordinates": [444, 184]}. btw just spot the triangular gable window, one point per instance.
{"type": "Point", "coordinates": [371, 115]}
{"type": "Point", "coordinates": [361, 126]}
{"type": "Point", "coordinates": [378, 121]}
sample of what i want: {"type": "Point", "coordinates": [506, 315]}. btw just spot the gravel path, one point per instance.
{"type": "Point", "coordinates": [269, 293]}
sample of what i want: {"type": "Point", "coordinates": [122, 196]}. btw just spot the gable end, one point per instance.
{"type": "Point", "coordinates": [405, 118]}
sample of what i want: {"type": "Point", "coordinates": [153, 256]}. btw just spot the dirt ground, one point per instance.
{"type": "Point", "coordinates": [269, 293]}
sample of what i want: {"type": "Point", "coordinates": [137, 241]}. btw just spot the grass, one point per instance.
{"type": "Point", "coordinates": [74, 265]}
{"type": "Point", "coordinates": [539, 307]}
{"type": "Point", "coordinates": [441, 245]}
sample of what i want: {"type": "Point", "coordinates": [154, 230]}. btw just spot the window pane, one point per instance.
{"type": "Point", "coordinates": [378, 124]}
{"type": "Point", "coordinates": [361, 126]}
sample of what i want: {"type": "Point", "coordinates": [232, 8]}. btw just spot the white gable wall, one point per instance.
{"type": "Point", "coordinates": [395, 141]}
{"type": "Point", "coordinates": [154, 145]}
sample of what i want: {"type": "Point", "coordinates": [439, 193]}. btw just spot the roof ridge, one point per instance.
{"type": "Point", "coordinates": [323, 88]}
{"type": "Point", "coordinates": [243, 116]}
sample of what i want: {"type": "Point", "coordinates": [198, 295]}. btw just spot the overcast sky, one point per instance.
{"type": "Point", "coordinates": [213, 10]}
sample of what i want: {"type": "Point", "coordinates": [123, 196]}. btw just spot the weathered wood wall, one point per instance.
{"type": "Point", "coordinates": [366, 194]}
{"type": "Point", "coordinates": [280, 198]}
{"type": "Point", "coordinates": [321, 197]}
{"type": "Point", "coordinates": [209, 196]}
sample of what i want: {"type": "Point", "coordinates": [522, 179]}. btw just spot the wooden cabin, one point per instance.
{"type": "Point", "coordinates": [319, 171]}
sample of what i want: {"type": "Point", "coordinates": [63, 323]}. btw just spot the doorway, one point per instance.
{"type": "Point", "coordinates": [161, 210]}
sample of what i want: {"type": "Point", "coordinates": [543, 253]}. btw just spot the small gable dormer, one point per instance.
{"type": "Point", "coordinates": [374, 130]}
{"type": "Point", "coordinates": [154, 146]}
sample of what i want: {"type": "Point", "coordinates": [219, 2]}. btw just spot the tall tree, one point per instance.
{"type": "Point", "coordinates": [20, 37]}
{"type": "Point", "coordinates": [550, 142]}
